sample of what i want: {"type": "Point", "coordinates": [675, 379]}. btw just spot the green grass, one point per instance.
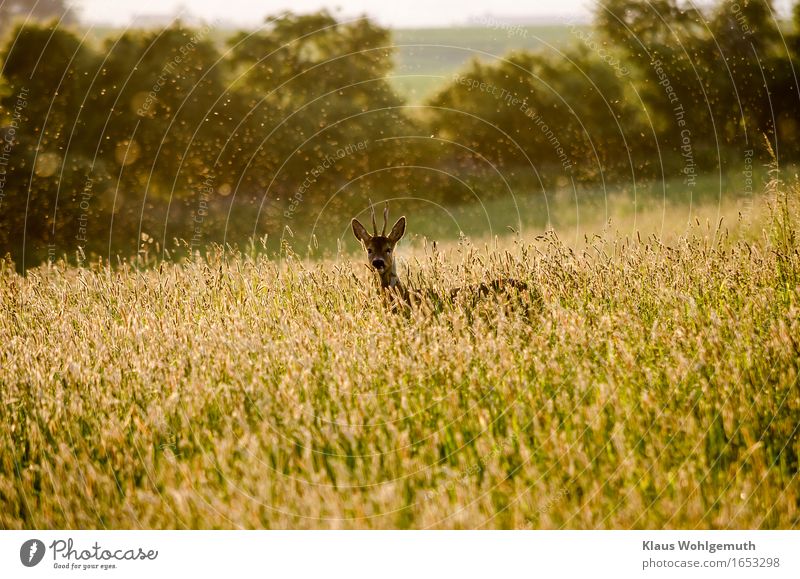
{"type": "Point", "coordinates": [655, 386]}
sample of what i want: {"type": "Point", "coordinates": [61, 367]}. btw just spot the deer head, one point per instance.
{"type": "Point", "coordinates": [380, 248]}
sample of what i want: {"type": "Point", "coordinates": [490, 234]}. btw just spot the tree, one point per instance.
{"type": "Point", "coordinates": [315, 86]}
{"type": "Point", "coordinates": [568, 114]}
{"type": "Point", "coordinates": [47, 69]}
{"type": "Point", "coordinates": [12, 11]}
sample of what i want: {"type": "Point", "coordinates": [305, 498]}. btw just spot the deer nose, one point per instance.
{"type": "Point", "coordinates": [378, 263]}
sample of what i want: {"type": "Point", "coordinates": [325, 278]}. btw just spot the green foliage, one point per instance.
{"type": "Point", "coordinates": [14, 11]}
{"type": "Point", "coordinates": [713, 66]}
{"type": "Point", "coordinates": [47, 156]}
{"type": "Point", "coordinates": [657, 89]}
{"type": "Point", "coordinates": [561, 116]}
{"type": "Point", "coordinates": [175, 138]}
{"type": "Point", "coordinates": [314, 86]}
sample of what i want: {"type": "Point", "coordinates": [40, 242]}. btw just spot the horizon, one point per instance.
{"type": "Point", "coordinates": [249, 14]}
{"type": "Point", "coordinates": [416, 14]}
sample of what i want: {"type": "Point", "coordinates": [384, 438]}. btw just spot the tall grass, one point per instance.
{"type": "Point", "coordinates": [657, 387]}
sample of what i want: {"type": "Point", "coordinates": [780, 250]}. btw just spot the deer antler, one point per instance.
{"type": "Point", "coordinates": [385, 218]}
{"type": "Point", "coordinates": [372, 211]}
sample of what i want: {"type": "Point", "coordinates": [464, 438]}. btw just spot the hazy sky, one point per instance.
{"type": "Point", "coordinates": [399, 13]}
{"type": "Point", "coordinates": [387, 12]}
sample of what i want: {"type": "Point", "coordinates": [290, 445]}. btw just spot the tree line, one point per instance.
{"type": "Point", "coordinates": [166, 140]}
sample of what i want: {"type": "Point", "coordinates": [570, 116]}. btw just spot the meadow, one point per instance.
{"type": "Point", "coordinates": [647, 383]}
{"type": "Point", "coordinates": [495, 216]}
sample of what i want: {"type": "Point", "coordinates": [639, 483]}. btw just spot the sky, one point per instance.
{"type": "Point", "coordinates": [394, 13]}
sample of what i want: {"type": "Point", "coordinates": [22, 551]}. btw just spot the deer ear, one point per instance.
{"type": "Point", "coordinates": [360, 232]}
{"type": "Point", "coordinates": [398, 230]}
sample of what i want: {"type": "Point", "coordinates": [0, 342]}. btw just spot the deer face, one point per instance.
{"type": "Point", "coordinates": [380, 248]}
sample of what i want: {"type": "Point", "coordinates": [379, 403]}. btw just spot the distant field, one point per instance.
{"type": "Point", "coordinates": [667, 210]}
{"type": "Point", "coordinates": [432, 55]}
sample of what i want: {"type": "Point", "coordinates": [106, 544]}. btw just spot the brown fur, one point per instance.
{"type": "Point", "coordinates": [504, 284]}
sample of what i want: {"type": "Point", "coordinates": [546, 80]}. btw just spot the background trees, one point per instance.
{"type": "Point", "coordinates": [179, 134]}
{"type": "Point", "coordinates": [13, 11]}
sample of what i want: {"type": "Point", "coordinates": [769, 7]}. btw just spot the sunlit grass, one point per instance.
{"type": "Point", "coordinates": [656, 387]}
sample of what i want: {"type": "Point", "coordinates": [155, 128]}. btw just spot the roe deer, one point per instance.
{"type": "Point", "coordinates": [380, 256]}
{"type": "Point", "coordinates": [380, 249]}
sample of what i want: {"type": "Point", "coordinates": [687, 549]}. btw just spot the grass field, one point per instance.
{"type": "Point", "coordinates": [654, 386]}
{"type": "Point", "coordinates": [427, 58]}
{"type": "Point", "coordinates": [667, 209]}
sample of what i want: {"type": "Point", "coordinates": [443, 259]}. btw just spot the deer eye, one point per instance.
{"type": "Point", "coordinates": [389, 250]}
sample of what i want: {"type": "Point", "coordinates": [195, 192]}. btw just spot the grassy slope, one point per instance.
{"type": "Point", "coordinates": [666, 209]}
{"type": "Point", "coordinates": [656, 387]}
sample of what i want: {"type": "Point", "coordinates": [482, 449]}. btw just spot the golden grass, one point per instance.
{"type": "Point", "coordinates": [657, 387]}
